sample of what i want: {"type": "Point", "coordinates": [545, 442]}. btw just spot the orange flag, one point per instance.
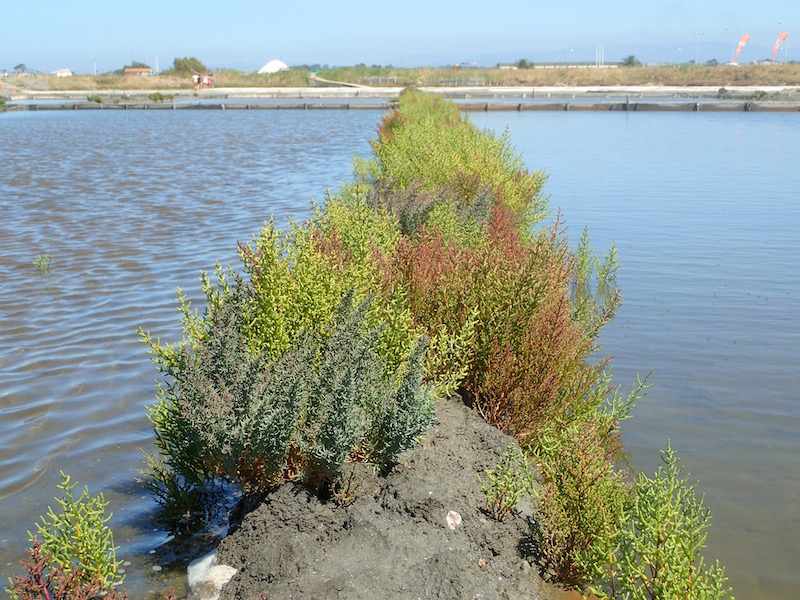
{"type": "Point", "coordinates": [742, 42]}
{"type": "Point", "coordinates": [777, 47]}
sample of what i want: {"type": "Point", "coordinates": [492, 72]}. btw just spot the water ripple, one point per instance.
{"type": "Point", "coordinates": [131, 206]}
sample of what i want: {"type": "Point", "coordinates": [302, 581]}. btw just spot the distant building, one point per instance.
{"type": "Point", "coordinates": [142, 71]}
{"type": "Point", "coordinates": [62, 73]}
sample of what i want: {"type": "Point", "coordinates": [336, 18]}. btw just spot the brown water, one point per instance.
{"type": "Point", "coordinates": [131, 206]}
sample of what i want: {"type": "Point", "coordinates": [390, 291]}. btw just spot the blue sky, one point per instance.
{"type": "Point", "coordinates": [47, 35]}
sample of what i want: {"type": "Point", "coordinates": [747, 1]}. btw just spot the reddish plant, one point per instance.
{"type": "Point", "coordinates": [46, 580]}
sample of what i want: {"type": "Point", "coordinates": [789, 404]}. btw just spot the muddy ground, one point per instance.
{"type": "Point", "coordinates": [393, 540]}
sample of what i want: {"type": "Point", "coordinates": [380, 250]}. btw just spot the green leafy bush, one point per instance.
{"type": "Point", "coordinates": [47, 580]}
{"type": "Point", "coordinates": [658, 544]}
{"type": "Point", "coordinates": [43, 262]}
{"type": "Point", "coordinates": [77, 547]}
{"type": "Point", "coordinates": [507, 484]}
{"type": "Point", "coordinates": [234, 414]}
{"type": "Point", "coordinates": [317, 355]}
{"type": "Point", "coordinates": [582, 498]}
{"type": "Point", "coordinates": [425, 141]}
{"type": "Point", "coordinates": [186, 66]}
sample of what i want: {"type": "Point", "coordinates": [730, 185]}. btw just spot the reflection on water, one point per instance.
{"type": "Point", "coordinates": [704, 212]}
{"type": "Point", "coordinates": [131, 206]}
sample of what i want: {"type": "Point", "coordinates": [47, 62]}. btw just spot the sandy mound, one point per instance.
{"type": "Point", "coordinates": [393, 540]}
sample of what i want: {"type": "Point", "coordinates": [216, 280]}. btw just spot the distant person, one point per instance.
{"type": "Point", "coordinates": [196, 79]}
{"type": "Point", "coordinates": [205, 81]}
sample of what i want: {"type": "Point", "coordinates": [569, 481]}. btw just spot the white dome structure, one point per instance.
{"type": "Point", "coordinates": [273, 66]}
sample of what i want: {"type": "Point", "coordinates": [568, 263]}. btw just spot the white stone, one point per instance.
{"type": "Point", "coordinates": [453, 519]}
{"type": "Point", "coordinates": [206, 578]}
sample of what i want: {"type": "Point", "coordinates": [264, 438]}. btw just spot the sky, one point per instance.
{"type": "Point", "coordinates": [104, 36]}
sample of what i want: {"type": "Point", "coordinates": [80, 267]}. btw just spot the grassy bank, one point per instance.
{"type": "Point", "coordinates": [671, 75]}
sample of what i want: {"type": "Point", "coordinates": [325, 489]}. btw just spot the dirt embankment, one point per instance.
{"type": "Point", "coordinates": [393, 540]}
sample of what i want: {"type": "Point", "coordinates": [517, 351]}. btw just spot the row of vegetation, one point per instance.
{"type": "Point", "coordinates": [435, 270]}
{"type": "Point", "coordinates": [631, 72]}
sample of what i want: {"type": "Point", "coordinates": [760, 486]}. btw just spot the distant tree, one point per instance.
{"type": "Point", "coordinates": [523, 63]}
{"type": "Point", "coordinates": [20, 68]}
{"type": "Point", "coordinates": [187, 66]}
{"type": "Point", "coordinates": [712, 63]}
{"type": "Point", "coordinates": [631, 61]}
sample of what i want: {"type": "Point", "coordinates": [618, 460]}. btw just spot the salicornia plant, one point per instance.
{"type": "Point", "coordinates": [78, 539]}
{"type": "Point", "coordinates": [659, 542]}
{"type": "Point", "coordinates": [43, 262]}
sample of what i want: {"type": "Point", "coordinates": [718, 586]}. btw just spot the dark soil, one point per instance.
{"type": "Point", "coordinates": [393, 539]}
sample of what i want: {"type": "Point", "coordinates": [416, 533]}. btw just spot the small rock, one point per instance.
{"type": "Point", "coordinates": [453, 519]}
{"type": "Point", "coordinates": [206, 578]}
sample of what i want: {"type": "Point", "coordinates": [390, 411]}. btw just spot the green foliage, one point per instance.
{"type": "Point", "coordinates": [582, 496]}
{"type": "Point", "coordinates": [631, 61]}
{"type": "Point", "coordinates": [187, 65]}
{"type": "Point", "coordinates": [43, 262]}
{"type": "Point", "coordinates": [523, 63]}
{"type": "Point", "coordinates": [594, 309]}
{"type": "Point", "coordinates": [425, 141]}
{"type": "Point", "coordinates": [95, 98]}
{"type": "Point", "coordinates": [78, 539]}
{"type": "Point", "coordinates": [158, 97]}
{"type": "Point", "coordinates": [298, 277]}
{"type": "Point", "coordinates": [507, 484]}
{"type": "Point", "coordinates": [657, 552]}
{"type": "Point", "coordinates": [319, 354]}
{"type": "Point", "coordinates": [582, 499]}
{"type": "Point", "coordinates": [45, 580]}
{"type": "Point", "coordinates": [236, 414]}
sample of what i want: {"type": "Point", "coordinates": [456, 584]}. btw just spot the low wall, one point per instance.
{"type": "Point", "coordinates": [679, 106]}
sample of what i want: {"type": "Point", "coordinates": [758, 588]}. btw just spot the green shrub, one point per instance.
{"type": "Point", "coordinates": [507, 484]}
{"type": "Point", "coordinates": [158, 97]}
{"type": "Point", "coordinates": [234, 414]}
{"type": "Point", "coordinates": [76, 543]}
{"type": "Point", "coordinates": [186, 66]}
{"type": "Point", "coordinates": [43, 262]}
{"type": "Point", "coordinates": [426, 142]}
{"type": "Point", "coordinates": [47, 580]}
{"type": "Point", "coordinates": [95, 98]}
{"type": "Point", "coordinates": [582, 499]}
{"type": "Point", "coordinates": [317, 356]}
{"type": "Point", "coordinates": [582, 495]}
{"type": "Point", "coordinates": [657, 551]}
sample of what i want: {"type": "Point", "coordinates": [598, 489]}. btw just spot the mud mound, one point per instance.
{"type": "Point", "coordinates": [393, 540]}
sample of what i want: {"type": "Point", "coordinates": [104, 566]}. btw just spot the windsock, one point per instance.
{"type": "Point", "coordinates": [742, 42]}
{"type": "Point", "coordinates": [778, 42]}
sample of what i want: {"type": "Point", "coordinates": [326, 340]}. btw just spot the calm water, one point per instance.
{"type": "Point", "coordinates": [705, 213]}
{"type": "Point", "coordinates": [703, 208]}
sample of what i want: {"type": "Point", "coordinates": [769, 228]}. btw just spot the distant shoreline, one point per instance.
{"type": "Point", "coordinates": [612, 91]}
{"type": "Point", "coordinates": [472, 98]}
